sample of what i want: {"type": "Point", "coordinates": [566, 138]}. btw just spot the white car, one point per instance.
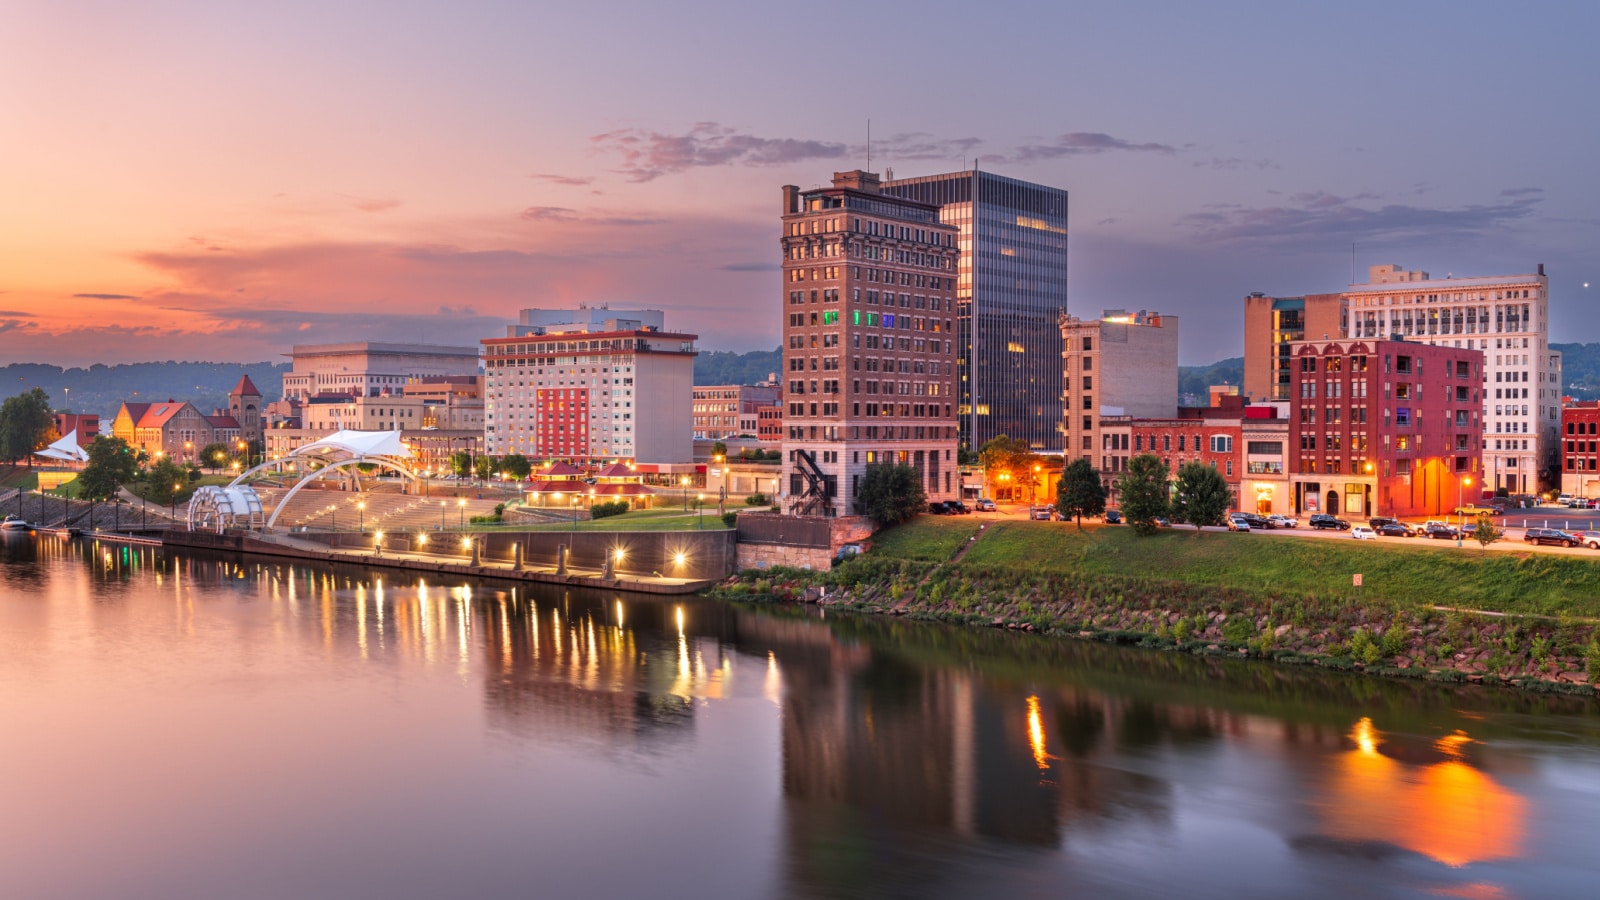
{"type": "Point", "coordinates": [1237, 524]}
{"type": "Point", "coordinates": [1363, 533]}
{"type": "Point", "coordinates": [1283, 521]}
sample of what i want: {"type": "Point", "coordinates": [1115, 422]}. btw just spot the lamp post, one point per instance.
{"type": "Point", "coordinates": [575, 499]}
{"type": "Point", "coordinates": [1461, 488]}
{"type": "Point", "coordinates": [441, 515]}
{"type": "Point", "coordinates": [175, 502]}
{"type": "Point", "coordinates": [244, 450]}
{"type": "Point", "coordinates": [700, 501]}
{"type": "Point", "coordinates": [1033, 486]}
{"type": "Point", "coordinates": [461, 506]}
{"type": "Point", "coordinates": [683, 480]}
{"type": "Point", "coordinates": [361, 510]}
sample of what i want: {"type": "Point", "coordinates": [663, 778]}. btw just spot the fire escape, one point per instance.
{"type": "Point", "coordinates": [814, 499]}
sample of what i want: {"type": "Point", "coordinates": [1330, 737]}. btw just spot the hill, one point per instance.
{"type": "Point", "coordinates": [727, 367]}
{"type": "Point", "coordinates": [1194, 382]}
{"type": "Point", "coordinates": [1580, 370]}
{"type": "Point", "coordinates": [101, 389]}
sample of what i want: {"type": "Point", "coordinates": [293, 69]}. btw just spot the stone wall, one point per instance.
{"type": "Point", "coordinates": [765, 556]}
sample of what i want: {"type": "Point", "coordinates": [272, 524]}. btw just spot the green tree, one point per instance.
{"type": "Point", "coordinates": [515, 466]}
{"type": "Point", "coordinates": [1202, 496]}
{"type": "Point", "coordinates": [216, 455]}
{"type": "Point", "coordinates": [720, 450]}
{"type": "Point", "coordinates": [1144, 492]}
{"type": "Point", "coordinates": [483, 467]}
{"type": "Point", "coordinates": [1080, 492]}
{"type": "Point", "coordinates": [1486, 533]}
{"type": "Point", "coordinates": [461, 463]}
{"type": "Point", "coordinates": [111, 464]}
{"type": "Point", "coordinates": [890, 493]}
{"type": "Point", "coordinates": [1008, 464]}
{"type": "Point", "coordinates": [163, 480]}
{"type": "Point", "coordinates": [25, 425]}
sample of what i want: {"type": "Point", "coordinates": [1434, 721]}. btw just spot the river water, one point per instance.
{"type": "Point", "coordinates": [177, 726]}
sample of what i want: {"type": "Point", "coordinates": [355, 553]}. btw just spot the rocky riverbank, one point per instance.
{"type": "Point", "coordinates": [1375, 636]}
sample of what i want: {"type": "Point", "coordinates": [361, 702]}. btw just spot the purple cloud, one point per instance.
{"type": "Point", "coordinates": [105, 296]}
{"type": "Point", "coordinates": [567, 180]}
{"type": "Point", "coordinates": [1081, 143]}
{"type": "Point", "coordinates": [647, 155]}
{"type": "Point", "coordinates": [1318, 218]}
{"type": "Point", "coordinates": [564, 215]}
{"type": "Point", "coordinates": [1234, 164]}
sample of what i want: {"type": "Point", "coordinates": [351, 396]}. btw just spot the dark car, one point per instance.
{"type": "Point", "coordinates": [1377, 522]}
{"type": "Point", "coordinates": [1391, 528]}
{"type": "Point", "coordinates": [1551, 536]}
{"type": "Point", "coordinates": [1323, 521]}
{"type": "Point", "coordinates": [1113, 517]}
{"type": "Point", "coordinates": [957, 508]}
{"type": "Point", "coordinates": [1440, 531]}
{"type": "Point", "coordinates": [1257, 522]}
{"type": "Point", "coordinates": [938, 509]}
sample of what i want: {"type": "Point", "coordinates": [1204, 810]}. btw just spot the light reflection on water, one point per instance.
{"type": "Point", "coordinates": [206, 726]}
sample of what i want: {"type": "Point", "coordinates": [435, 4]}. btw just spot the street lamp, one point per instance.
{"type": "Point", "coordinates": [461, 505]}
{"type": "Point", "coordinates": [1461, 507]}
{"type": "Point", "coordinates": [244, 449]}
{"type": "Point", "coordinates": [441, 515]}
{"type": "Point", "coordinates": [175, 501]}
{"type": "Point", "coordinates": [701, 506]}
{"type": "Point", "coordinates": [361, 527]}
{"type": "Point", "coordinates": [683, 480]}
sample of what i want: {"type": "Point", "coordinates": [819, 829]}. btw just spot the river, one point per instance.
{"type": "Point", "coordinates": [177, 726]}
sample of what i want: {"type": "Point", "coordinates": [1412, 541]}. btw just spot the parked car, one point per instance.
{"type": "Point", "coordinates": [1550, 536]}
{"type": "Point", "coordinates": [1237, 522]}
{"type": "Point", "coordinates": [1590, 539]}
{"type": "Point", "coordinates": [1377, 522]}
{"type": "Point", "coordinates": [1472, 509]}
{"type": "Point", "coordinates": [1257, 522]}
{"type": "Point", "coordinates": [1439, 531]}
{"type": "Point", "coordinates": [1041, 513]}
{"type": "Point", "coordinates": [1322, 521]}
{"type": "Point", "coordinates": [1277, 521]}
{"type": "Point", "coordinates": [1163, 522]}
{"type": "Point", "coordinates": [938, 509]}
{"type": "Point", "coordinates": [1113, 517]}
{"type": "Point", "coordinates": [984, 504]}
{"type": "Point", "coordinates": [1392, 528]}
{"type": "Point", "coordinates": [957, 508]}
{"type": "Point", "coordinates": [1363, 533]}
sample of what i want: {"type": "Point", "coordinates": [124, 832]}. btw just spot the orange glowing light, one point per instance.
{"type": "Point", "coordinates": [1036, 734]}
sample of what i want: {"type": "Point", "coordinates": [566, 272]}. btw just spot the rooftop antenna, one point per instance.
{"type": "Point", "coordinates": [869, 145]}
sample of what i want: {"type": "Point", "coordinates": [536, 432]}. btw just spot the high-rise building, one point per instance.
{"type": "Point", "coordinates": [1120, 364]}
{"type": "Point", "coordinates": [1271, 323]}
{"type": "Point", "coordinates": [1390, 428]}
{"type": "Point", "coordinates": [1507, 318]}
{"type": "Point", "coordinates": [1011, 291]}
{"type": "Point", "coordinates": [589, 388]}
{"type": "Point", "coordinates": [869, 346]}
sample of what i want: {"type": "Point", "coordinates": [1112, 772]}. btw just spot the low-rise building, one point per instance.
{"type": "Point", "coordinates": [1390, 428]}
{"type": "Point", "coordinates": [368, 368]}
{"type": "Point", "coordinates": [732, 410]}
{"type": "Point", "coordinates": [769, 424]}
{"type": "Point", "coordinates": [87, 425]}
{"type": "Point", "coordinates": [173, 429]}
{"type": "Point", "coordinates": [1580, 438]}
{"type": "Point", "coordinates": [1121, 364]}
{"type": "Point", "coordinates": [437, 416]}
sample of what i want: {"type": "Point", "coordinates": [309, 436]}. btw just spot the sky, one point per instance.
{"type": "Point", "coordinates": [220, 181]}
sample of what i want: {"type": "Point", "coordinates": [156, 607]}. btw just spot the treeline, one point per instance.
{"type": "Point", "coordinates": [100, 389]}
{"type": "Point", "coordinates": [727, 367]}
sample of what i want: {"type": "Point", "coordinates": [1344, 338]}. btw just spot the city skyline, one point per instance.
{"type": "Point", "coordinates": [205, 182]}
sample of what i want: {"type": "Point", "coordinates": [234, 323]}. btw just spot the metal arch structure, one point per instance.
{"type": "Point", "coordinates": [224, 507]}
{"type": "Point", "coordinates": [334, 454]}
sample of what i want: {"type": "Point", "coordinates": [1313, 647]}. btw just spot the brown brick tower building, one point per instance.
{"type": "Point", "coordinates": [869, 350]}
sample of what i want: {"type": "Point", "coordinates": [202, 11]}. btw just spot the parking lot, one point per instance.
{"type": "Point", "coordinates": [1511, 526]}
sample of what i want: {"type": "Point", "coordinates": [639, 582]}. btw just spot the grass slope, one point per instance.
{"type": "Point", "coordinates": [1409, 574]}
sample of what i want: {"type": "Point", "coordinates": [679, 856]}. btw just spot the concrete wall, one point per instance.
{"type": "Point", "coordinates": [663, 408]}
{"type": "Point", "coordinates": [706, 554]}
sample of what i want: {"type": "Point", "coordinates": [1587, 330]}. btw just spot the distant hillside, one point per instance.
{"type": "Point", "coordinates": [726, 367]}
{"type": "Point", "coordinates": [101, 389]}
{"type": "Point", "coordinates": [1194, 382]}
{"type": "Point", "coordinates": [1580, 370]}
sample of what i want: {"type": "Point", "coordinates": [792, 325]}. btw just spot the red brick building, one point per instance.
{"type": "Point", "coordinates": [1580, 448]}
{"type": "Point", "coordinates": [1390, 428]}
{"type": "Point", "coordinates": [87, 425]}
{"type": "Point", "coordinates": [769, 424]}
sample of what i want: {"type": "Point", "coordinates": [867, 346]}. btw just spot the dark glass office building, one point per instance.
{"type": "Point", "coordinates": [1011, 290]}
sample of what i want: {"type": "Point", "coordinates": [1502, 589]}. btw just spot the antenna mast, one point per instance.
{"type": "Point", "coordinates": [869, 145]}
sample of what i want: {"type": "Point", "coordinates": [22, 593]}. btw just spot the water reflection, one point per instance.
{"type": "Point", "coordinates": [858, 757]}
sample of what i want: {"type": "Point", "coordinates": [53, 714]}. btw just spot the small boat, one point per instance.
{"type": "Point", "coordinates": [13, 523]}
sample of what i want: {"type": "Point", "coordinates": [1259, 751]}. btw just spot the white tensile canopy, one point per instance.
{"type": "Point", "coordinates": [328, 456]}
{"type": "Point", "coordinates": [224, 507]}
{"type": "Point", "coordinates": [65, 450]}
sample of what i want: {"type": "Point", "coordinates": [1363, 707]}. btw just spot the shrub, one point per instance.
{"type": "Point", "coordinates": [608, 509]}
{"type": "Point", "coordinates": [730, 519]}
{"type": "Point", "coordinates": [1592, 658]}
{"type": "Point", "coordinates": [1180, 631]}
{"type": "Point", "coordinates": [1364, 648]}
{"type": "Point", "coordinates": [756, 499]}
{"type": "Point", "coordinates": [1237, 630]}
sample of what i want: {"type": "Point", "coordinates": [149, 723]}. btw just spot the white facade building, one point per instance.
{"type": "Point", "coordinates": [368, 368]}
{"type": "Point", "coordinates": [586, 391]}
{"type": "Point", "coordinates": [1507, 318]}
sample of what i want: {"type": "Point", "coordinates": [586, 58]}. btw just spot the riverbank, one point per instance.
{"type": "Point", "coordinates": [1534, 624]}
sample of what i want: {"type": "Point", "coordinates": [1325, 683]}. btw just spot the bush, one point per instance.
{"type": "Point", "coordinates": [756, 499]}
{"type": "Point", "coordinates": [730, 519]}
{"type": "Point", "coordinates": [608, 509]}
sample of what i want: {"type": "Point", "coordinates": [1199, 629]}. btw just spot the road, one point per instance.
{"type": "Point", "coordinates": [1512, 527]}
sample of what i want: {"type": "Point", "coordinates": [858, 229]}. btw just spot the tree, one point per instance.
{"type": "Point", "coordinates": [461, 463]}
{"type": "Point", "coordinates": [1080, 492]}
{"type": "Point", "coordinates": [719, 450]}
{"type": "Point", "coordinates": [216, 455]}
{"type": "Point", "coordinates": [1202, 496]}
{"type": "Point", "coordinates": [1007, 463]}
{"type": "Point", "coordinates": [25, 425]}
{"type": "Point", "coordinates": [483, 467]}
{"type": "Point", "coordinates": [890, 493]}
{"type": "Point", "coordinates": [163, 480]}
{"type": "Point", "coordinates": [515, 466]}
{"type": "Point", "coordinates": [1486, 533]}
{"type": "Point", "coordinates": [1144, 492]}
{"type": "Point", "coordinates": [110, 465]}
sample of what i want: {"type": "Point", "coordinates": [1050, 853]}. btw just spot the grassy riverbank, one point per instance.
{"type": "Point", "coordinates": [1235, 594]}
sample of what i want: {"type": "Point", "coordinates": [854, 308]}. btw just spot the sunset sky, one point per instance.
{"type": "Point", "coordinates": [218, 181]}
